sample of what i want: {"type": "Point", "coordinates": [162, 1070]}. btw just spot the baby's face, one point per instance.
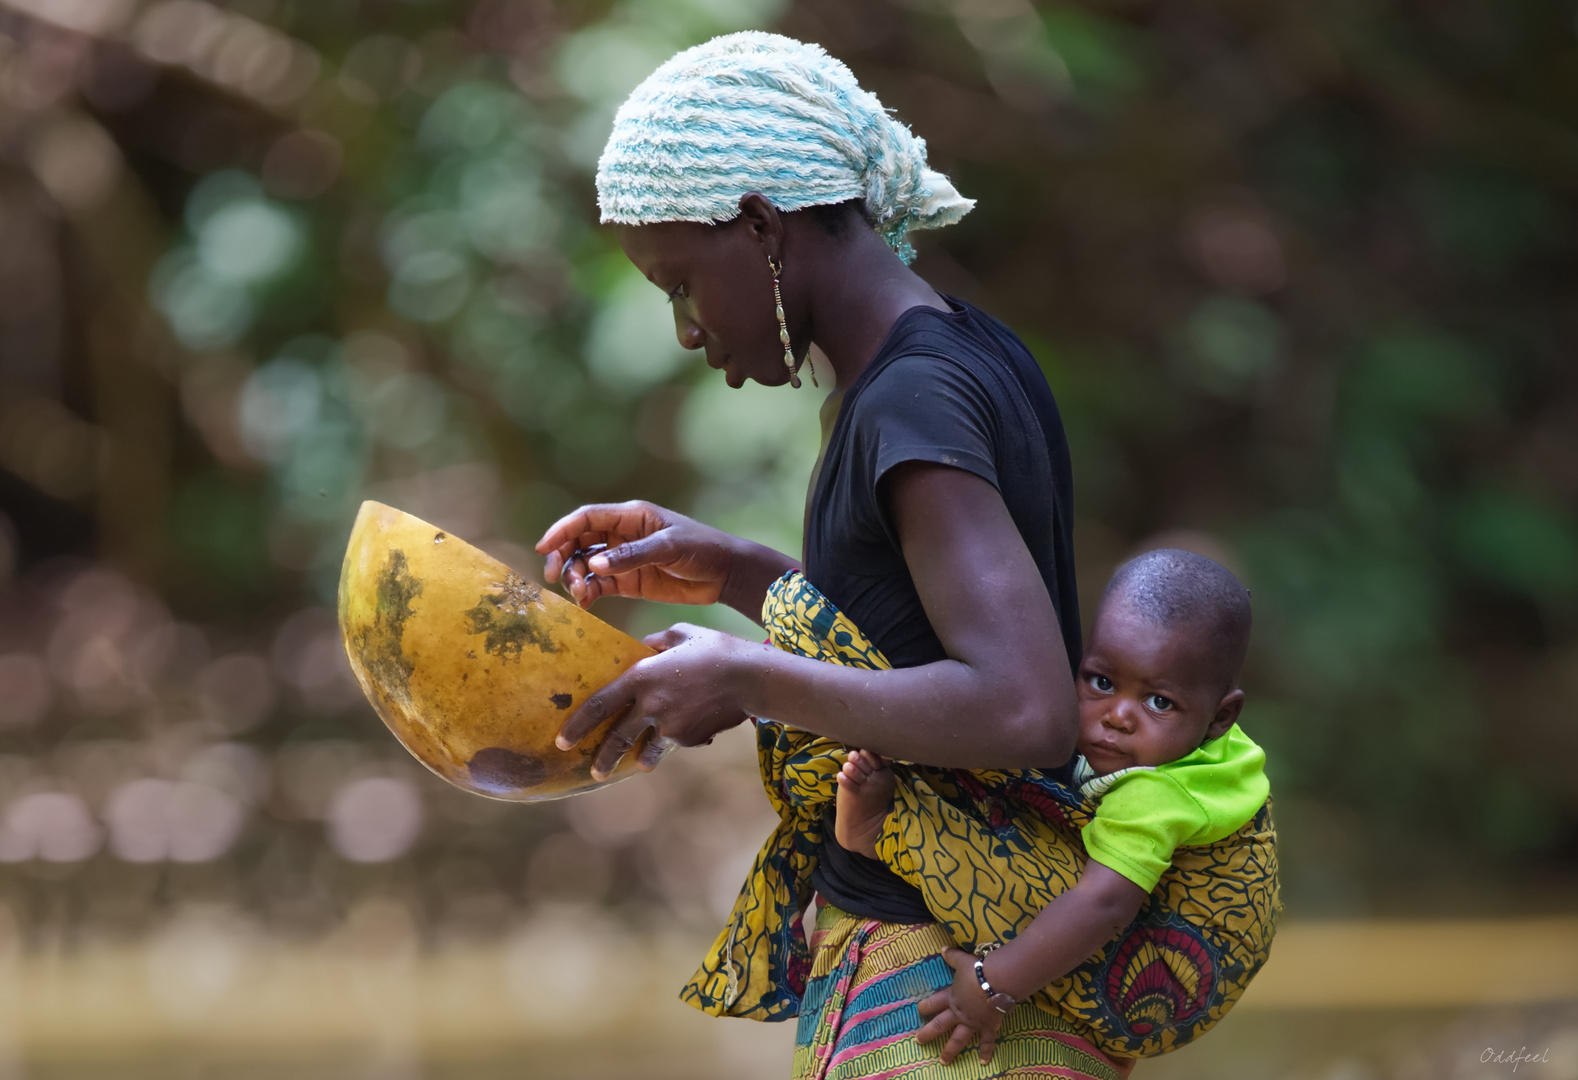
{"type": "Point", "coordinates": [1148, 694]}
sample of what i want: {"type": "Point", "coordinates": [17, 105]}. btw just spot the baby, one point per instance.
{"type": "Point", "coordinates": [1160, 752]}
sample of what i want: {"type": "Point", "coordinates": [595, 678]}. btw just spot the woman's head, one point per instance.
{"type": "Point", "coordinates": [755, 147]}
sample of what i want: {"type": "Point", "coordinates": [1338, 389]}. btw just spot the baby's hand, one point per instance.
{"type": "Point", "coordinates": [962, 1009]}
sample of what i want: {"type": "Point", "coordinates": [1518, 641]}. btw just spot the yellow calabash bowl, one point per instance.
{"type": "Point", "coordinates": [472, 667]}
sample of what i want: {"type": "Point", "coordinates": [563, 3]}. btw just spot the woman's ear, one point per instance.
{"type": "Point", "coordinates": [1226, 716]}
{"type": "Point", "coordinates": [763, 221]}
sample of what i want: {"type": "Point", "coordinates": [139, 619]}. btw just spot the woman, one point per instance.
{"type": "Point", "coordinates": [756, 184]}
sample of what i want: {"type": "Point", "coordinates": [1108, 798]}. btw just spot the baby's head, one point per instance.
{"type": "Point", "coordinates": [1160, 676]}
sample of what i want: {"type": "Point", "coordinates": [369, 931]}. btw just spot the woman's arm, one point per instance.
{"type": "Point", "coordinates": [1004, 698]}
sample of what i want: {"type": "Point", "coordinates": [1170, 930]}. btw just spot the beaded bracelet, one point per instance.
{"type": "Point", "coordinates": [995, 998]}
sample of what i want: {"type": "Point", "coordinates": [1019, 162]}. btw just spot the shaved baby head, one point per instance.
{"type": "Point", "coordinates": [1181, 590]}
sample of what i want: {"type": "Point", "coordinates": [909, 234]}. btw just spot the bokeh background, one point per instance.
{"type": "Point", "coordinates": [1303, 277]}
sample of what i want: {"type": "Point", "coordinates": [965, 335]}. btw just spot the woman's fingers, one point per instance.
{"type": "Point", "coordinates": [634, 554]}
{"type": "Point", "coordinates": [618, 740]}
{"type": "Point", "coordinates": [610, 700]}
{"type": "Point", "coordinates": [654, 750]}
{"type": "Point", "coordinates": [627, 520]}
{"type": "Point", "coordinates": [586, 588]}
{"type": "Point", "coordinates": [561, 559]}
{"type": "Point", "coordinates": [620, 696]}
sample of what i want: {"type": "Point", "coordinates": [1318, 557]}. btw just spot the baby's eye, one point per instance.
{"type": "Point", "coordinates": [677, 293]}
{"type": "Point", "coordinates": [1158, 703]}
{"type": "Point", "coordinates": [1102, 683]}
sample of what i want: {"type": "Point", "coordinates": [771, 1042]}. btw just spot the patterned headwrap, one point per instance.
{"type": "Point", "coordinates": [761, 112]}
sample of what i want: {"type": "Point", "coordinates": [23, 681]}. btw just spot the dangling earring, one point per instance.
{"type": "Point", "coordinates": [777, 268]}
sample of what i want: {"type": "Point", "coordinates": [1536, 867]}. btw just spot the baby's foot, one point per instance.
{"type": "Point", "coordinates": [865, 795]}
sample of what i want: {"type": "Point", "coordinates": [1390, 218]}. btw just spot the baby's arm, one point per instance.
{"type": "Point", "coordinates": [1062, 936]}
{"type": "Point", "coordinates": [1066, 932]}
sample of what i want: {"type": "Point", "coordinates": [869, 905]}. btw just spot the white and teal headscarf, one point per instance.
{"type": "Point", "coordinates": [761, 112]}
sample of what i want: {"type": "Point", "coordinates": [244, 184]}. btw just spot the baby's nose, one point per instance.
{"type": "Point", "coordinates": [1120, 716]}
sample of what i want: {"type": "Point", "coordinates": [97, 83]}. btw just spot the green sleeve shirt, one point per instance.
{"type": "Point", "coordinates": [1145, 813]}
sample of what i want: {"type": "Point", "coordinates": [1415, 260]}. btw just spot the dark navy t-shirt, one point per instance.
{"type": "Point", "coordinates": [951, 388]}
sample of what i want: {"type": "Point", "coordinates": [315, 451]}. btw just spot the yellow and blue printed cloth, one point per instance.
{"type": "Point", "coordinates": [988, 849]}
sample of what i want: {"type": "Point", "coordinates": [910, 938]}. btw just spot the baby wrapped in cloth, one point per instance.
{"type": "Point", "coordinates": [989, 850]}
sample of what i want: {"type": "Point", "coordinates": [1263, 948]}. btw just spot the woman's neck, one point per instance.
{"type": "Point", "coordinates": [858, 290]}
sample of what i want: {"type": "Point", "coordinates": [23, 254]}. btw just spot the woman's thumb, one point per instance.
{"type": "Point", "coordinates": [631, 555]}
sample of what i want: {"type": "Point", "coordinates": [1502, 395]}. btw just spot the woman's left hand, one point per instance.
{"type": "Point", "coordinates": [686, 694]}
{"type": "Point", "coordinates": [960, 1012]}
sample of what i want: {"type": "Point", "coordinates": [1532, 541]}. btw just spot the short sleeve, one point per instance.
{"type": "Point", "coordinates": [1139, 823]}
{"type": "Point", "coordinates": [927, 408]}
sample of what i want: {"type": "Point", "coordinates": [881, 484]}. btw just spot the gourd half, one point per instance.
{"type": "Point", "coordinates": [471, 666]}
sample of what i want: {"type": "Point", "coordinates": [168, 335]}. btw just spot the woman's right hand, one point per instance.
{"type": "Point", "coordinates": [652, 553]}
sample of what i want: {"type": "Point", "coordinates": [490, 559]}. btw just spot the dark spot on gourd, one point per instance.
{"type": "Point", "coordinates": [496, 769]}
{"type": "Point", "coordinates": [560, 701]}
{"type": "Point", "coordinates": [511, 620]}
{"type": "Point", "coordinates": [380, 643]}
{"type": "Point", "coordinates": [439, 538]}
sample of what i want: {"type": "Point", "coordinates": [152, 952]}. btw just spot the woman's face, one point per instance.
{"type": "Point", "coordinates": [718, 282]}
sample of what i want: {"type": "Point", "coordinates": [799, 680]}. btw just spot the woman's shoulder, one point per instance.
{"type": "Point", "coordinates": [916, 383]}
{"type": "Point", "coordinates": [963, 337]}
{"type": "Point", "coordinates": [956, 378]}
{"type": "Point", "coordinates": [961, 327]}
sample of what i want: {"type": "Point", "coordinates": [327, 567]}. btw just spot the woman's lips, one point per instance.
{"type": "Point", "coordinates": [729, 376]}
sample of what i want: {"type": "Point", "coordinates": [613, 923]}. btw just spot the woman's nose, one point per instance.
{"type": "Point", "coordinates": [689, 334]}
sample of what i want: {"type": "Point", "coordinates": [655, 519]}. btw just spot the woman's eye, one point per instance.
{"type": "Point", "coordinates": [1102, 683]}
{"type": "Point", "coordinates": [1159, 703]}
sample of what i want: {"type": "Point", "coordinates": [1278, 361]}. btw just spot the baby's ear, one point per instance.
{"type": "Point", "coordinates": [1227, 711]}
